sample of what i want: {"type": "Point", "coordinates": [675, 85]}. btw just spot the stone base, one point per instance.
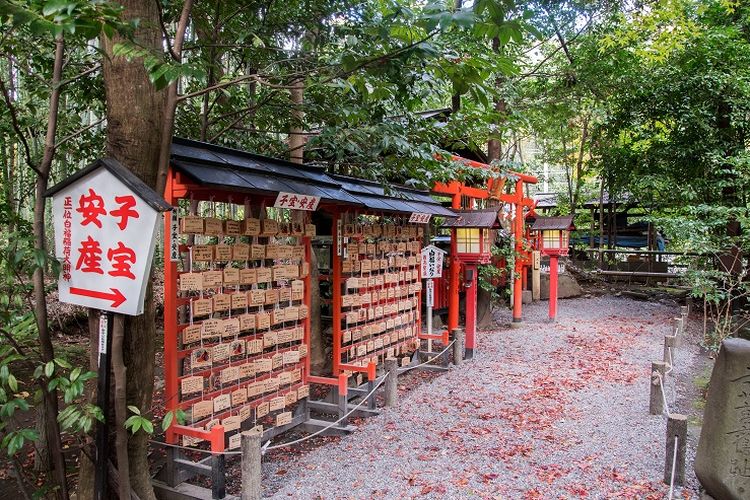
{"type": "Point", "coordinates": [567, 287]}
{"type": "Point", "coordinates": [526, 297]}
{"type": "Point", "coordinates": [721, 461]}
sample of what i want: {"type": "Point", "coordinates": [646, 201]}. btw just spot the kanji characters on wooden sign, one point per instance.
{"type": "Point", "coordinates": [105, 226]}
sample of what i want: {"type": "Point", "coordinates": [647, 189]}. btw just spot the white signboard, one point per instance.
{"type": "Point", "coordinates": [430, 298]}
{"type": "Point", "coordinates": [297, 201]}
{"type": "Point", "coordinates": [104, 238]}
{"type": "Point", "coordinates": [420, 218]}
{"type": "Point", "coordinates": [432, 262]}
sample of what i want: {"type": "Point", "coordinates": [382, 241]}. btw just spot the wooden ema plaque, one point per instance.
{"type": "Point", "coordinates": [380, 292]}
{"type": "Point", "coordinates": [242, 329]}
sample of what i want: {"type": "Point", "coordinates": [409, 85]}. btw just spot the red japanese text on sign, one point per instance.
{"type": "Point", "coordinates": [297, 201]}
{"type": "Point", "coordinates": [104, 235]}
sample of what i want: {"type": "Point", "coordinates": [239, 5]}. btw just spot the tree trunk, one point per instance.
{"type": "Point", "coordinates": [135, 118]}
{"type": "Point", "coordinates": [579, 166]}
{"type": "Point", "coordinates": [48, 417]}
{"type": "Point", "coordinates": [296, 131]}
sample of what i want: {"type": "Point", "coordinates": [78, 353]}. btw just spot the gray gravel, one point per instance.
{"type": "Point", "coordinates": [544, 411]}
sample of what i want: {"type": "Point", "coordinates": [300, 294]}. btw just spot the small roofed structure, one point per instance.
{"type": "Point", "coordinates": [564, 222]}
{"type": "Point", "coordinates": [553, 233]}
{"type": "Point", "coordinates": [485, 218]}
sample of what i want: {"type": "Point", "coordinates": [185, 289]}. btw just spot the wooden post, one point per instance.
{"type": "Point", "coordinates": [684, 312]}
{"type": "Point", "coordinates": [458, 346]}
{"type": "Point", "coordinates": [371, 367]}
{"type": "Point", "coordinates": [676, 326]}
{"type": "Point", "coordinates": [676, 431]}
{"type": "Point", "coordinates": [553, 287]}
{"type": "Point", "coordinates": [670, 342]}
{"type": "Point", "coordinates": [218, 476]}
{"type": "Point", "coordinates": [656, 401]}
{"type": "Point", "coordinates": [536, 276]}
{"type": "Point", "coordinates": [251, 456]}
{"type": "Point", "coordinates": [343, 397]}
{"type": "Point", "coordinates": [391, 381]}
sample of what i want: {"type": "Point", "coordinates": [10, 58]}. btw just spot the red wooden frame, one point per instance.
{"type": "Point", "coordinates": [178, 187]}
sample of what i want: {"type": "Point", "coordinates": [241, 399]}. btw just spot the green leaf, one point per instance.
{"type": "Point", "coordinates": [134, 409]}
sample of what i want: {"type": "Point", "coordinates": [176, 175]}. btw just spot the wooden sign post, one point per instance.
{"type": "Point", "coordinates": [431, 267]}
{"type": "Point", "coordinates": [105, 221]}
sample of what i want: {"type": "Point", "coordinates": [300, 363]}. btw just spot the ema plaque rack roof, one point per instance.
{"type": "Point", "coordinates": [222, 167]}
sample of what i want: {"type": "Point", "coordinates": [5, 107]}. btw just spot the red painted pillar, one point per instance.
{"type": "Point", "coordinates": [471, 310]}
{"type": "Point", "coordinates": [518, 237]}
{"type": "Point", "coordinates": [552, 287]}
{"type": "Point", "coordinates": [455, 274]}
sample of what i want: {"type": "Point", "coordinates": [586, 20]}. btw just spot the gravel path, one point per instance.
{"type": "Point", "coordinates": [544, 411]}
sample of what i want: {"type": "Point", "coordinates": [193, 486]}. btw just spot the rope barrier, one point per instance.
{"type": "Point", "coordinates": [305, 438]}
{"type": "Point", "coordinates": [266, 446]}
{"type": "Point", "coordinates": [671, 361]}
{"type": "Point", "coordinates": [409, 368]}
{"type": "Point", "coordinates": [674, 467]}
{"type": "Point", "coordinates": [665, 411]}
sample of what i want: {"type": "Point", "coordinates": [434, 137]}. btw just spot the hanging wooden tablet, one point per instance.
{"type": "Point", "coordinates": [261, 410]}
{"type": "Point", "coordinates": [269, 227]}
{"type": "Point", "coordinates": [271, 296]}
{"type": "Point", "coordinates": [254, 346]}
{"type": "Point", "coordinates": [264, 274]}
{"type": "Point", "coordinates": [201, 410]}
{"type": "Point", "coordinates": [270, 339]}
{"type": "Point", "coordinates": [191, 282]}
{"type": "Point", "coordinates": [203, 253]}
{"type": "Point", "coordinates": [212, 279]}
{"type": "Point", "coordinates": [221, 302]}
{"type": "Point", "coordinates": [200, 358]}
{"type": "Point", "coordinates": [231, 276]}
{"type": "Point", "coordinates": [240, 251]}
{"type": "Point", "coordinates": [232, 227]}
{"type": "Point", "coordinates": [239, 300]}
{"type": "Point", "coordinates": [251, 227]}
{"type": "Point", "coordinates": [191, 224]}
{"type": "Point", "coordinates": [213, 226]}
{"type": "Point", "coordinates": [231, 423]}
{"type": "Point", "coordinates": [191, 333]}
{"type": "Point", "coordinates": [191, 385]}
{"type": "Point", "coordinates": [220, 353]}
{"type": "Point", "coordinates": [277, 360]}
{"type": "Point", "coordinates": [247, 320]}
{"type": "Point", "coordinates": [303, 391]}
{"type": "Point", "coordinates": [222, 402]}
{"type": "Point", "coordinates": [263, 321]}
{"type": "Point", "coordinates": [290, 398]}
{"type": "Point", "coordinates": [246, 412]}
{"type": "Point", "coordinates": [257, 252]}
{"type": "Point", "coordinates": [223, 252]}
{"type": "Point", "coordinates": [257, 297]}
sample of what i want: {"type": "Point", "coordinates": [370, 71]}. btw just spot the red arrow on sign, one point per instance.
{"type": "Point", "coordinates": [116, 296]}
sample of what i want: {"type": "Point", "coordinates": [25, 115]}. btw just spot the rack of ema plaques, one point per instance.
{"type": "Point", "coordinates": [376, 293]}
{"type": "Point", "coordinates": [237, 307]}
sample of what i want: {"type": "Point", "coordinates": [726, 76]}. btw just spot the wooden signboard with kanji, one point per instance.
{"type": "Point", "coordinates": [105, 221]}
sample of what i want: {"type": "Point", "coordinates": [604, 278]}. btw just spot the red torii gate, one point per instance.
{"type": "Point", "coordinates": [494, 190]}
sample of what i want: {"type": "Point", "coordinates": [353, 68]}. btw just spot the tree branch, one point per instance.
{"type": "Point", "coordinates": [17, 127]}
{"type": "Point", "coordinates": [79, 132]}
{"type": "Point", "coordinates": [164, 32]}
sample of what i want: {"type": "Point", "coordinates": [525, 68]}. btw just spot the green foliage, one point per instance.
{"type": "Point", "coordinates": [136, 422]}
